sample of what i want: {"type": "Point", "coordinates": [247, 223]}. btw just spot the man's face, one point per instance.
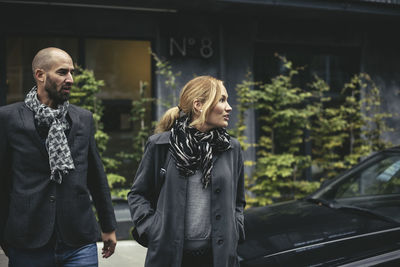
{"type": "Point", "coordinates": [59, 79]}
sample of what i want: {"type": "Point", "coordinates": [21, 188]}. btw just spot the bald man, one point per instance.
{"type": "Point", "coordinates": [49, 171]}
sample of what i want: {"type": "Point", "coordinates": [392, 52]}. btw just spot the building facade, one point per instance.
{"type": "Point", "coordinates": [223, 38]}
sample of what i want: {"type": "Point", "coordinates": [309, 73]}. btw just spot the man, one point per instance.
{"type": "Point", "coordinates": [49, 165]}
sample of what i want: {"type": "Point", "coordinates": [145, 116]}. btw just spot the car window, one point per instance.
{"type": "Point", "coordinates": [381, 178]}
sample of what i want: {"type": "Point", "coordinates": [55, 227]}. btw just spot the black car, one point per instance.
{"type": "Point", "coordinates": [123, 217]}
{"type": "Point", "coordinates": [354, 220]}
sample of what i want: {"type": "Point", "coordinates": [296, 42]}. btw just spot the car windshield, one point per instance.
{"type": "Point", "coordinates": [372, 186]}
{"type": "Point", "coordinates": [382, 177]}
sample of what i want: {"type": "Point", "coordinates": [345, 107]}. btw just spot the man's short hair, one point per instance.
{"type": "Point", "coordinates": [44, 58]}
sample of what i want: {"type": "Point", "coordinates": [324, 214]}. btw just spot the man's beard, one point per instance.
{"type": "Point", "coordinates": [58, 97]}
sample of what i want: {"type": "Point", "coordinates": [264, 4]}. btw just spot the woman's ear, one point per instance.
{"type": "Point", "coordinates": [198, 106]}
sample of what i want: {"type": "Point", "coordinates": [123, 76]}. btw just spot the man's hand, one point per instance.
{"type": "Point", "coordinates": [110, 241]}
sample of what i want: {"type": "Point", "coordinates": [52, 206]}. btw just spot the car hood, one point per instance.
{"type": "Point", "coordinates": [298, 225]}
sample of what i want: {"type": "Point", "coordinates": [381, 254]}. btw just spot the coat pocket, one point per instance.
{"type": "Point", "coordinates": [154, 231]}
{"type": "Point", "coordinates": [236, 227]}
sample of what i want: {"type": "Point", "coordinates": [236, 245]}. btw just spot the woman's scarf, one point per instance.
{"type": "Point", "coordinates": [60, 159]}
{"type": "Point", "coordinates": [192, 148]}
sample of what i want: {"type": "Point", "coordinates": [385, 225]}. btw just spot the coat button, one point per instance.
{"type": "Point", "coordinates": [217, 216]}
{"type": "Point", "coordinates": [52, 198]}
{"type": "Point", "coordinates": [218, 190]}
{"type": "Point", "coordinates": [220, 242]}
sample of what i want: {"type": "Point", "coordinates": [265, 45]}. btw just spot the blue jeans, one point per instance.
{"type": "Point", "coordinates": [59, 256]}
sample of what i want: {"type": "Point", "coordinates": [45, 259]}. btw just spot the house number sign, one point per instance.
{"type": "Point", "coordinates": [189, 46]}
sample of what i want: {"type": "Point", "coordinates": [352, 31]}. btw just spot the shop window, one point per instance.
{"type": "Point", "coordinates": [121, 64]}
{"type": "Point", "coordinates": [336, 65]}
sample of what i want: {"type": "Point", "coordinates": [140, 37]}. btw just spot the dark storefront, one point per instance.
{"type": "Point", "coordinates": [223, 38]}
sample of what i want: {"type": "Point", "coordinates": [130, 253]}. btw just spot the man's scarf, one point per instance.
{"type": "Point", "coordinates": [60, 159]}
{"type": "Point", "coordinates": [192, 148]}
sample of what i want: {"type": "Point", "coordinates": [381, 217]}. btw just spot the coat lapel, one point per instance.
{"type": "Point", "coordinates": [27, 119]}
{"type": "Point", "coordinates": [74, 126]}
{"type": "Point", "coordinates": [217, 155]}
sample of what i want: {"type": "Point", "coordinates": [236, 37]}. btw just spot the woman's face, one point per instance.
{"type": "Point", "coordinates": [219, 115]}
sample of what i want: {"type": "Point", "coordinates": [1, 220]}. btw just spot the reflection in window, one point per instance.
{"type": "Point", "coordinates": [382, 178]}
{"type": "Point", "coordinates": [122, 64]}
{"type": "Point", "coordinates": [336, 65]}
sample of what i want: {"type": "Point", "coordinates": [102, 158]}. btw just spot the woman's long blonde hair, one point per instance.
{"type": "Point", "coordinates": [205, 89]}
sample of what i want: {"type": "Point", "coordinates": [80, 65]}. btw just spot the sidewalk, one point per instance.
{"type": "Point", "coordinates": [3, 259]}
{"type": "Point", "coordinates": [127, 254]}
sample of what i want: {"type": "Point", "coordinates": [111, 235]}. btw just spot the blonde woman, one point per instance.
{"type": "Point", "coordinates": [187, 199]}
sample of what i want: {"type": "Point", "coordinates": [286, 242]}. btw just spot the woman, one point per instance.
{"type": "Point", "coordinates": [187, 199]}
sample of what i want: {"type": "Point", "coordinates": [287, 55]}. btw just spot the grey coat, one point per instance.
{"type": "Point", "coordinates": [162, 221]}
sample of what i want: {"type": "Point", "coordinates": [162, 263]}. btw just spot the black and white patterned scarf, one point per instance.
{"type": "Point", "coordinates": [192, 148]}
{"type": "Point", "coordinates": [60, 159]}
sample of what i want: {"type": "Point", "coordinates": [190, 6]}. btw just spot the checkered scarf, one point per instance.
{"type": "Point", "coordinates": [192, 148]}
{"type": "Point", "coordinates": [60, 159]}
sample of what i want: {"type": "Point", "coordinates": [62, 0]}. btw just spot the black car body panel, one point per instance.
{"type": "Point", "coordinates": [123, 217]}
{"type": "Point", "coordinates": [313, 233]}
{"type": "Point", "coordinates": [304, 234]}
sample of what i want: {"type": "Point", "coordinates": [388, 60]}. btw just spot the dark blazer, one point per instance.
{"type": "Point", "coordinates": [32, 206]}
{"type": "Point", "coordinates": [161, 220]}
